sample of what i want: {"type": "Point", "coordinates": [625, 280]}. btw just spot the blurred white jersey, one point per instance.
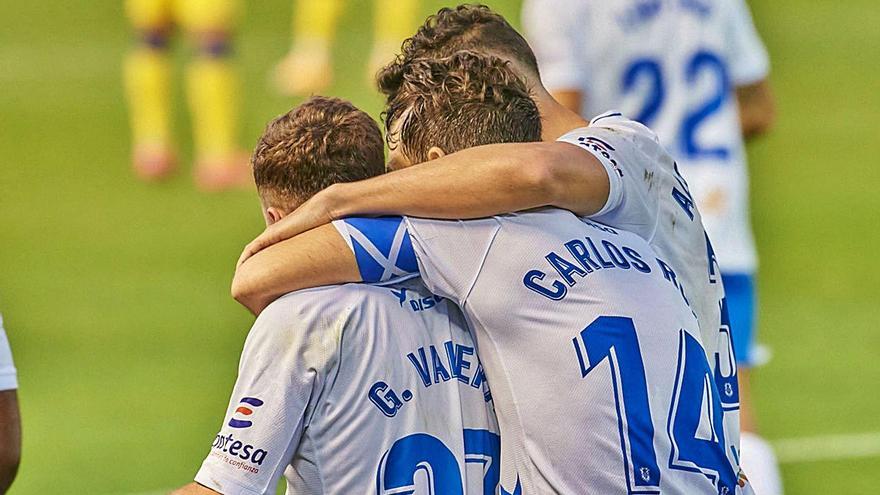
{"type": "Point", "coordinates": [598, 372]}
{"type": "Point", "coordinates": [8, 376]}
{"type": "Point", "coordinates": [672, 65]}
{"type": "Point", "coordinates": [354, 389]}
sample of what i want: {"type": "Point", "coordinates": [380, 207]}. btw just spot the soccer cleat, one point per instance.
{"type": "Point", "coordinates": [306, 70]}
{"type": "Point", "coordinates": [152, 162]}
{"type": "Point", "coordinates": [223, 174]}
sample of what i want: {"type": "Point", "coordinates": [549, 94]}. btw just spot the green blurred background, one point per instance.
{"type": "Point", "coordinates": [115, 293]}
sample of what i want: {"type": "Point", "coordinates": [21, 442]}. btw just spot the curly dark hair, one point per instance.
{"type": "Point", "coordinates": [321, 142]}
{"type": "Point", "coordinates": [466, 27]}
{"type": "Point", "coordinates": [464, 100]}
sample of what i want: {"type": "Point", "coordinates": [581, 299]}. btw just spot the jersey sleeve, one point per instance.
{"type": "Point", "coordinates": [447, 254]}
{"type": "Point", "coordinates": [555, 30]}
{"type": "Point", "coordinates": [630, 153]}
{"type": "Point", "coordinates": [749, 62]}
{"type": "Point", "coordinates": [277, 382]}
{"type": "Point", "coordinates": [382, 248]}
{"type": "Point", "coordinates": [451, 253]}
{"type": "Point", "coordinates": [8, 376]}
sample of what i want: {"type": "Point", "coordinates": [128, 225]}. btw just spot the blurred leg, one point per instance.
{"type": "Point", "coordinates": [147, 75]}
{"type": "Point", "coordinates": [393, 21]}
{"type": "Point", "coordinates": [213, 94]}
{"type": "Point", "coordinates": [308, 67]}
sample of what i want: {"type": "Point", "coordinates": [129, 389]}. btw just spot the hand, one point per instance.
{"type": "Point", "coordinates": [311, 214]}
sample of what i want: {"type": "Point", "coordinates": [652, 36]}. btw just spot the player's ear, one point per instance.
{"type": "Point", "coordinates": [435, 153]}
{"type": "Point", "coordinates": [272, 215]}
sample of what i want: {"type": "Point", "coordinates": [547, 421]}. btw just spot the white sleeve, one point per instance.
{"type": "Point", "coordinates": [451, 253]}
{"type": "Point", "coordinates": [749, 62]}
{"type": "Point", "coordinates": [267, 412]}
{"type": "Point", "coordinates": [555, 30]}
{"type": "Point", "coordinates": [8, 376]}
{"type": "Point", "coordinates": [630, 153]}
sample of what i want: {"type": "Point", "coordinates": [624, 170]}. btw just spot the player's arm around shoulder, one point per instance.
{"type": "Point", "coordinates": [315, 258]}
{"type": "Point", "coordinates": [474, 183]}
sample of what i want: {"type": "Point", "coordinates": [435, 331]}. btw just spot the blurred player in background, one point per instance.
{"type": "Point", "coordinates": [212, 90]}
{"type": "Point", "coordinates": [696, 72]}
{"type": "Point", "coordinates": [347, 389]}
{"type": "Point", "coordinates": [308, 67]}
{"type": "Point", "coordinates": [10, 421]}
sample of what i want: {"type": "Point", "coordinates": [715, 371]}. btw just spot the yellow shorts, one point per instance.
{"type": "Point", "coordinates": [191, 15]}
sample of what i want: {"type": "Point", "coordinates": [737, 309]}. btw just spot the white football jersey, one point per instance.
{"type": "Point", "coordinates": [598, 372]}
{"type": "Point", "coordinates": [8, 376]}
{"type": "Point", "coordinates": [650, 198]}
{"type": "Point", "coordinates": [672, 65]}
{"type": "Point", "coordinates": [354, 389]}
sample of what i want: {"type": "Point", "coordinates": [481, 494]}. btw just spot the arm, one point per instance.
{"type": "Point", "coordinates": [316, 258]}
{"type": "Point", "coordinates": [473, 183]}
{"type": "Point", "coordinates": [757, 108]}
{"type": "Point", "coordinates": [193, 489]}
{"type": "Point", "coordinates": [10, 438]}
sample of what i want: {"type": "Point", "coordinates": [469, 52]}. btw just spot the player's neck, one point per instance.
{"type": "Point", "coordinates": [556, 120]}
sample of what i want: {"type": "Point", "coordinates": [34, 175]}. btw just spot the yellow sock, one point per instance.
{"type": "Point", "coordinates": [314, 21]}
{"type": "Point", "coordinates": [212, 87]}
{"type": "Point", "coordinates": [147, 75]}
{"type": "Point", "coordinates": [394, 21]}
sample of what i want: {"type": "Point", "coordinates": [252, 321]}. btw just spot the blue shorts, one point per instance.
{"type": "Point", "coordinates": [739, 289]}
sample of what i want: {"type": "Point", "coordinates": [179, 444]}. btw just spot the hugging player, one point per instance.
{"type": "Point", "coordinates": [346, 388]}
{"type": "Point", "coordinates": [598, 366]}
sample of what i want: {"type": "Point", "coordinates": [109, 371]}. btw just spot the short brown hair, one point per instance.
{"type": "Point", "coordinates": [457, 102]}
{"type": "Point", "coordinates": [466, 27]}
{"type": "Point", "coordinates": [321, 142]}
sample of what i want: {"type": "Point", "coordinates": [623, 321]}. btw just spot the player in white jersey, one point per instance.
{"type": "Point", "coordinates": [10, 421]}
{"type": "Point", "coordinates": [695, 71]}
{"type": "Point", "coordinates": [350, 389]}
{"type": "Point", "coordinates": [637, 188]}
{"type": "Point", "coordinates": [510, 275]}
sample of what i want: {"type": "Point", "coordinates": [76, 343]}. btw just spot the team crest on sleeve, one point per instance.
{"type": "Point", "coordinates": [241, 416]}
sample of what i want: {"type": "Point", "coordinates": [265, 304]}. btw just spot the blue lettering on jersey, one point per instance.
{"type": "Point", "coordinates": [417, 304]}
{"type": "Point", "coordinates": [582, 258]}
{"type": "Point", "coordinates": [433, 365]}
{"type": "Point", "coordinates": [640, 12]}
{"type": "Point", "coordinates": [382, 248]}
{"type": "Point", "coordinates": [699, 7]}
{"type": "Point", "coordinates": [385, 399]}
{"type": "Point", "coordinates": [683, 196]}
{"type": "Point", "coordinates": [669, 274]}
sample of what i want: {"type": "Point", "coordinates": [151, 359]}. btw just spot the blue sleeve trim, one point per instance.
{"type": "Point", "coordinates": [382, 248]}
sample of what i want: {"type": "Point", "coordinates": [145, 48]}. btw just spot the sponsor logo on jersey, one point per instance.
{"type": "Point", "coordinates": [244, 410]}
{"type": "Point", "coordinates": [239, 454]}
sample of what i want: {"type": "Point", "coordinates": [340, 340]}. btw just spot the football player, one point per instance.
{"type": "Point", "coordinates": [349, 389]}
{"type": "Point", "coordinates": [212, 89]}
{"type": "Point", "coordinates": [585, 331]}
{"type": "Point", "coordinates": [308, 67]}
{"type": "Point", "coordinates": [696, 72]}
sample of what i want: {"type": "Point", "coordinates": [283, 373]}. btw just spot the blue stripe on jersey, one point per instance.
{"type": "Point", "coordinates": [382, 248]}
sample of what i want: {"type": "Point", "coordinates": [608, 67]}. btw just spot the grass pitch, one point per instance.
{"type": "Point", "coordinates": [115, 293]}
